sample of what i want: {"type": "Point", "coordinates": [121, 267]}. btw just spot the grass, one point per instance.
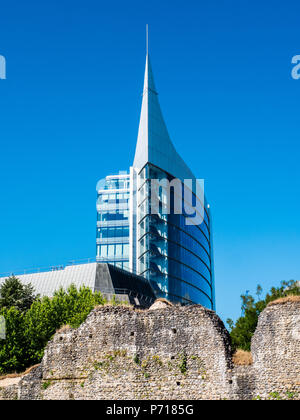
{"type": "Point", "coordinates": [63, 328]}
{"type": "Point", "coordinates": [283, 300]}
{"type": "Point", "coordinates": [161, 303]}
{"type": "Point", "coordinates": [242, 358]}
{"type": "Point", "coordinates": [165, 301]}
{"type": "Point", "coordinates": [17, 375]}
{"type": "Point", "coordinates": [112, 304]}
{"type": "Point", "coordinates": [46, 384]}
{"type": "Point", "coordinates": [183, 363]}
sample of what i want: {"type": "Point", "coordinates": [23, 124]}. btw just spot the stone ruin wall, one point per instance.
{"type": "Point", "coordinates": [275, 348]}
{"type": "Point", "coordinates": [169, 353]}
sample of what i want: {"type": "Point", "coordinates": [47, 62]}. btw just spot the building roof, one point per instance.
{"type": "Point", "coordinates": [104, 278]}
{"type": "Point", "coordinates": [47, 282]}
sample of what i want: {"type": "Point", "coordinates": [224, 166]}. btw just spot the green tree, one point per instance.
{"type": "Point", "coordinates": [15, 294]}
{"type": "Point", "coordinates": [259, 290]}
{"type": "Point", "coordinates": [242, 331]}
{"type": "Point", "coordinates": [46, 315]}
{"type": "Point", "coordinates": [27, 333]}
{"type": "Point", "coordinates": [13, 347]}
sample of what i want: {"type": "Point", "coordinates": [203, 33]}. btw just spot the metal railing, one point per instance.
{"type": "Point", "coordinates": [49, 268]}
{"type": "Point", "coordinates": [63, 266]}
{"type": "Point", "coordinates": [126, 292]}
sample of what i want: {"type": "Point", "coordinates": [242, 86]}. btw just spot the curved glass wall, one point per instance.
{"type": "Point", "coordinates": [173, 255]}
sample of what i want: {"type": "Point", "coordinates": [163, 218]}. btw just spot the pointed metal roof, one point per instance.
{"type": "Point", "coordinates": [154, 144]}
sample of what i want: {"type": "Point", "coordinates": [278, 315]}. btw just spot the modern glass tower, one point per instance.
{"type": "Point", "coordinates": [172, 250]}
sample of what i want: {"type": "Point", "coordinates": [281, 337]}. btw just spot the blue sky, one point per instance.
{"type": "Point", "coordinates": [69, 113]}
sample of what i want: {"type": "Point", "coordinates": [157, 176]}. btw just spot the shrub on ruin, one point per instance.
{"type": "Point", "coordinates": [243, 329]}
{"type": "Point", "coordinates": [27, 333]}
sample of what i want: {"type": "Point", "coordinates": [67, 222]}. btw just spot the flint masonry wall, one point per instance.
{"type": "Point", "coordinates": [120, 353]}
{"type": "Point", "coordinates": [169, 353]}
{"type": "Point", "coordinates": [276, 351]}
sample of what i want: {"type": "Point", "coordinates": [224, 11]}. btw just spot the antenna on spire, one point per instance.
{"type": "Point", "coordinates": [147, 39]}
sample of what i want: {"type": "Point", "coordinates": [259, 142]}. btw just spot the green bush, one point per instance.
{"type": "Point", "coordinates": [27, 332]}
{"type": "Point", "coordinates": [13, 348]}
{"type": "Point", "coordinates": [242, 331]}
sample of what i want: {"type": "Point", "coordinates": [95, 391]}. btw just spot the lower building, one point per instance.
{"type": "Point", "coordinates": [105, 278]}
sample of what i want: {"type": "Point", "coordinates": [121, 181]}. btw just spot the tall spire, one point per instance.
{"type": "Point", "coordinates": [147, 40]}
{"type": "Point", "coordinates": [153, 143]}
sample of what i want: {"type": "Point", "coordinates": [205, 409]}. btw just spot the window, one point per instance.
{"type": "Point", "coordinates": [113, 215]}
{"type": "Point", "coordinates": [110, 251]}
{"type": "Point", "coordinates": [103, 251]}
{"type": "Point", "coordinates": [118, 252]}
{"type": "Point", "coordinates": [125, 249]}
{"type": "Point", "coordinates": [118, 232]}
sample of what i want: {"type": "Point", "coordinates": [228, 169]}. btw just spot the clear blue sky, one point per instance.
{"type": "Point", "coordinates": [69, 113]}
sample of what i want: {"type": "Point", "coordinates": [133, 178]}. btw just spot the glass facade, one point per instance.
{"type": "Point", "coordinates": [171, 249]}
{"type": "Point", "coordinates": [173, 255]}
{"type": "Point", "coordinates": [113, 221]}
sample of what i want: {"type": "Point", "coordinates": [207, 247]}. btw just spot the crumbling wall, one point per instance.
{"type": "Point", "coordinates": [243, 383]}
{"type": "Point", "coordinates": [121, 353]}
{"type": "Point", "coordinates": [169, 353]}
{"type": "Point", "coordinates": [31, 385]}
{"type": "Point", "coordinates": [276, 351]}
{"type": "Point", "coordinates": [9, 389]}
